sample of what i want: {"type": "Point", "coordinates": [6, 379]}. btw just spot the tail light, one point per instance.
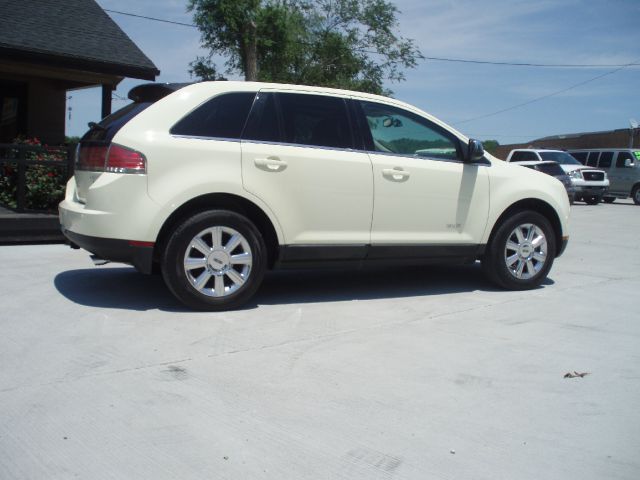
{"type": "Point", "coordinates": [110, 158]}
{"type": "Point", "coordinates": [125, 160]}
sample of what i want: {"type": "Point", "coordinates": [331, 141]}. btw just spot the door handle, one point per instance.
{"type": "Point", "coordinates": [273, 164]}
{"type": "Point", "coordinates": [397, 174]}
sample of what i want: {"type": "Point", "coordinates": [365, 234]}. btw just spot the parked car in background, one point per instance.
{"type": "Point", "coordinates": [622, 166]}
{"type": "Point", "coordinates": [591, 184]}
{"type": "Point", "coordinates": [555, 170]}
{"type": "Point", "coordinates": [216, 182]}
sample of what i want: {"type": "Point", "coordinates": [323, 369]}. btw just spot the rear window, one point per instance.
{"type": "Point", "coordinates": [551, 169]}
{"type": "Point", "coordinates": [104, 131]}
{"type": "Point", "coordinates": [223, 116]}
{"type": "Point", "coordinates": [523, 156]}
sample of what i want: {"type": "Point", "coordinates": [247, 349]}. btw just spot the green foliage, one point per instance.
{"type": "Point", "coordinates": [45, 185]}
{"type": "Point", "coordinates": [336, 43]}
{"type": "Point", "coordinates": [490, 146]}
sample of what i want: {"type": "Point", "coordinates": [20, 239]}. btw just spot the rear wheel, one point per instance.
{"type": "Point", "coordinates": [635, 194]}
{"type": "Point", "coordinates": [214, 261]}
{"type": "Point", "coordinates": [521, 252]}
{"type": "Point", "coordinates": [592, 200]}
{"type": "Point", "coordinates": [608, 199]}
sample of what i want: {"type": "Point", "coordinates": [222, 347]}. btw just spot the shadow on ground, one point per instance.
{"type": "Point", "coordinates": [125, 288]}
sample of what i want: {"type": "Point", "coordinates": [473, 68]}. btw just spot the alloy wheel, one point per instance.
{"type": "Point", "coordinates": [526, 251]}
{"type": "Point", "coordinates": [218, 261]}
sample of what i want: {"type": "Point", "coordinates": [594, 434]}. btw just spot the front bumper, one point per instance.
{"type": "Point", "coordinates": [590, 190]}
{"type": "Point", "coordinates": [138, 254]}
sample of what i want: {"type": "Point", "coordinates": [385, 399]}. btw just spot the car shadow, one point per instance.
{"type": "Point", "coordinates": [125, 288]}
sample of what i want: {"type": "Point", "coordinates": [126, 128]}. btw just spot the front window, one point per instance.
{"type": "Point", "coordinates": [563, 158]}
{"type": "Point", "coordinates": [551, 169]}
{"type": "Point", "coordinates": [404, 133]}
{"type": "Point", "coordinates": [622, 156]}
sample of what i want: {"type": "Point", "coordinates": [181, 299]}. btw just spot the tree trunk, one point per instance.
{"type": "Point", "coordinates": [250, 53]}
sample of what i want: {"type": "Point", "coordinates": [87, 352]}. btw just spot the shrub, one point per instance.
{"type": "Point", "coordinates": [44, 184]}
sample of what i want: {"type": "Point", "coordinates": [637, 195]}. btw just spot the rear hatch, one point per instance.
{"type": "Point", "coordinates": [96, 153]}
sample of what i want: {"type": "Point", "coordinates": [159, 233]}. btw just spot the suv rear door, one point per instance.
{"type": "Point", "coordinates": [298, 157]}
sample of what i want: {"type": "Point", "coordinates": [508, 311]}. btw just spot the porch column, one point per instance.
{"type": "Point", "coordinates": [107, 89]}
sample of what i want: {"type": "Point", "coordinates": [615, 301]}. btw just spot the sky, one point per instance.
{"type": "Point", "coordinates": [464, 95]}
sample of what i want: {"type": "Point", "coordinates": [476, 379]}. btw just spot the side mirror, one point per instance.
{"type": "Point", "coordinates": [475, 151]}
{"type": "Point", "coordinates": [628, 163]}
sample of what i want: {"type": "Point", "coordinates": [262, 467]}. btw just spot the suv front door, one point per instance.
{"type": "Point", "coordinates": [425, 195]}
{"type": "Point", "coordinates": [298, 158]}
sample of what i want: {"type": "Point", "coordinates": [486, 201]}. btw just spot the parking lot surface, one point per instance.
{"type": "Point", "coordinates": [408, 373]}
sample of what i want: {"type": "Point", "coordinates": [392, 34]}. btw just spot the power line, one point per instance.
{"type": "Point", "coordinates": [437, 59]}
{"type": "Point", "coordinates": [528, 64]}
{"type": "Point", "coordinates": [537, 99]}
{"type": "Point", "coordinates": [151, 18]}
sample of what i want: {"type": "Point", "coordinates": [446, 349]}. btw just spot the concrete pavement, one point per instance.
{"type": "Point", "coordinates": [390, 373]}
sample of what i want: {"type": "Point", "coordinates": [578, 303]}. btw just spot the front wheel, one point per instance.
{"type": "Point", "coordinates": [214, 260]}
{"type": "Point", "coordinates": [592, 200]}
{"type": "Point", "coordinates": [521, 252]}
{"type": "Point", "coordinates": [636, 194]}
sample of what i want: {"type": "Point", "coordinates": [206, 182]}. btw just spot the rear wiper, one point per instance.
{"type": "Point", "coordinates": [95, 126]}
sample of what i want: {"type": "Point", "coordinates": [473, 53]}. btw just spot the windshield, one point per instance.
{"type": "Point", "coordinates": [563, 158]}
{"type": "Point", "coordinates": [551, 169]}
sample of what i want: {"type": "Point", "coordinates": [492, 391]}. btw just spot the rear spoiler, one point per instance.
{"type": "Point", "coordinates": [152, 92]}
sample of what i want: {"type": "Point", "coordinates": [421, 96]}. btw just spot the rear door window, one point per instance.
{"type": "Point", "coordinates": [592, 159]}
{"type": "Point", "coordinates": [316, 120]}
{"type": "Point", "coordinates": [605, 159]}
{"type": "Point", "coordinates": [264, 120]}
{"type": "Point", "coordinates": [580, 156]}
{"type": "Point", "coordinates": [223, 117]}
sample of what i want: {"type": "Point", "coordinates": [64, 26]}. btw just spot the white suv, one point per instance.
{"type": "Point", "coordinates": [590, 184]}
{"type": "Point", "coordinates": [215, 182]}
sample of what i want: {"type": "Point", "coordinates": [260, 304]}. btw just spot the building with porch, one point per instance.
{"type": "Point", "coordinates": [48, 47]}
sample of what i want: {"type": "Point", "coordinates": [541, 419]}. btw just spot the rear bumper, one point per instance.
{"type": "Point", "coordinates": [138, 254]}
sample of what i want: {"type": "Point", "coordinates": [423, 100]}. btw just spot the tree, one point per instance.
{"type": "Point", "coordinates": [490, 145]}
{"type": "Point", "coordinates": [337, 43]}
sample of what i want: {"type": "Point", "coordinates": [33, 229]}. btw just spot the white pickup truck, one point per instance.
{"type": "Point", "coordinates": [590, 184]}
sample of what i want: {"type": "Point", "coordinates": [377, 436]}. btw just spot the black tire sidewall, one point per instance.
{"type": "Point", "coordinates": [172, 260]}
{"type": "Point", "coordinates": [496, 267]}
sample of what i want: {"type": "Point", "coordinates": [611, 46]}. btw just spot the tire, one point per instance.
{"type": "Point", "coordinates": [635, 194]}
{"type": "Point", "coordinates": [592, 200]}
{"type": "Point", "coordinates": [521, 252]}
{"type": "Point", "coordinates": [608, 199]}
{"type": "Point", "coordinates": [214, 261]}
